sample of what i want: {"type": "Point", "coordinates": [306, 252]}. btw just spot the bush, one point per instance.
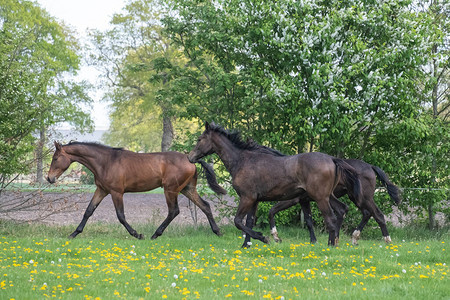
{"type": "Point", "coordinates": [86, 176]}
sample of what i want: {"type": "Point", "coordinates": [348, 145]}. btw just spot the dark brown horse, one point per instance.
{"type": "Point", "coordinates": [367, 174]}
{"type": "Point", "coordinates": [119, 171]}
{"type": "Point", "coordinates": [262, 174]}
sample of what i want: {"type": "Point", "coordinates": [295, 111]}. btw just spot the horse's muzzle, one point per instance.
{"type": "Point", "coordinates": [191, 159]}
{"type": "Point", "coordinates": [51, 180]}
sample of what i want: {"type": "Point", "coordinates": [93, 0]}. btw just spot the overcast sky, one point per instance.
{"type": "Point", "coordinates": [82, 15]}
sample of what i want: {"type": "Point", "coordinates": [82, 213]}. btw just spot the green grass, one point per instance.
{"type": "Point", "coordinates": [185, 262]}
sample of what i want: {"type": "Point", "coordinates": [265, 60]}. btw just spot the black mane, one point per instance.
{"type": "Point", "coordinates": [250, 144]}
{"type": "Point", "coordinates": [94, 144]}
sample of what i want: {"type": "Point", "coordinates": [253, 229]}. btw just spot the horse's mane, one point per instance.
{"type": "Point", "coordinates": [94, 144]}
{"type": "Point", "coordinates": [235, 138]}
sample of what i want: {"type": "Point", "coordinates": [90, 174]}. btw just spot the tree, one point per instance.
{"type": "Point", "coordinates": [37, 57]}
{"type": "Point", "coordinates": [135, 56]}
{"type": "Point", "coordinates": [337, 77]}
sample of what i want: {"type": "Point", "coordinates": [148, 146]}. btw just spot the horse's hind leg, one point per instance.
{"type": "Point", "coordinates": [173, 211]}
{"type": "Point", "coordinates": [306, 208]}
{"type": "Point", "coordinates": [330, 220]}
{"type": "Point", "coordinates": [118, 204]}
{"type": "Point", "coordinates": [190, 192]}
{"type": "Point", "coordinates": [99, 194]}
{"type": "Point", "coordinates": [340, 210]}
{"type": "Point", "coordinates": [378, 215]}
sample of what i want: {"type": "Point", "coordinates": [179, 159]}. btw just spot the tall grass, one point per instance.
{"type": "Point", "coordinates": [187, 262]}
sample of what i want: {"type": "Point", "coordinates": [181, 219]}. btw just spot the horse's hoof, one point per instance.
{"type": "Point", "coordinates": [218, 233]}
{"type": "Point", "coordinates": [140, 236]}
{"type": "Point", "coordinates": [73, 235]}
{"type": "Point", "coordinates": [154, 237]}
{"type": "Point", "coordinates": [313, 241]}
{"type": "Point", "coordinates": [266, 240]}
{"type": "Point", "coordinates": [277, 240]}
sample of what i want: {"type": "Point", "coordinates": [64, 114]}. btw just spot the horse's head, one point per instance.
{"type": "Point", "coordinates": [203, 147]}
{"type": "Point", "coordinates": [60, 163]}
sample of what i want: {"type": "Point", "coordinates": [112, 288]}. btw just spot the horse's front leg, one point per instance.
{"type": "Point", "coordinates": [282, 205]}
{"type": "Point", "coordinates": [99, 194]}
{"type": "Point", "coordinates": [118, 204]}
{"type": "Point", "coordinates": [251, 218]}
{"type": "Point", "coordinates": [245, 207]}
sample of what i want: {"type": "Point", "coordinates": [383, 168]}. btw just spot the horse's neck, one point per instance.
{"type": "Point", "coordinates": [86, 156]}
{"type": "Point", "coordinates": [228, 153]}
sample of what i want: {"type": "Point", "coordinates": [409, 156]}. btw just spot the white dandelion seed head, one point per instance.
{"type": "Point", "coordinates": [249, 243]}
{"type": "Point", "coordinates": [143, 257]}
{"type": "Point", "coordinates": [324, 274]}
{"type": "Point", "coordinates": [175, 276]}
{"type": "Point", "coordinates": [174, 284]}
{"type": "Point", "coordinates": [31, 261]}
{"type": "Point", "coordinates": [404, 271]}
{"type": "Point", "coordinates": [308, 271]}
{"type": "Point", "coordinates": [52, 262]}
{"type": "Point", "coordinates": [260, 281]}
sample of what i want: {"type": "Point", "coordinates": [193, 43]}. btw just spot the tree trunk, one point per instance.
{"type": "Point", "coordinates": [167, 136]}
{"type": "Point", "coordinates": [40, 157]}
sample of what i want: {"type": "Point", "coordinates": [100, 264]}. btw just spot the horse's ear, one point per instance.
{"type": "Point", "coordinates": [206, 125]}
{"type": "Point", "coordinates": [57, 145]}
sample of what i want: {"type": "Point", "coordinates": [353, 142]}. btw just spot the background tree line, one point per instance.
{"type": "Point", "coordinates": [354, 79]}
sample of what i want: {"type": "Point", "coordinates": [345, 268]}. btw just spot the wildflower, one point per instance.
{"type": "Point", "coordinates": [31, 261]}
{"type": "Point", "coordinates": [174, 284]}
{"type": "Point", "coordinates": [324, 274]}
{"type": "Point", "coordinates": [175, 276]}
{"type": "Point", "coordinates": [249, 243]}
{"type": "Point", "coordinates": [260, 281]}
{"type": "Point", "coordinates": [404, 271]}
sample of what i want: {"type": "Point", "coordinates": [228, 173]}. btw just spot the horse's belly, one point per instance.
{"type": "Point", "coordinates": [280, 194]}
{"type": "Point", "coordinates": [142, 186]}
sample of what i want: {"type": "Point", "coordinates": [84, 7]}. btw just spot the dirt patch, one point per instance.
{"type": "Point", "coordinates": [68, 209]}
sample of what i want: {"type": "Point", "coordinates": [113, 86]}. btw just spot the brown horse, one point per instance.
{"type": "Point", "coordinates": [119, 171]}
{"type": "Point", "coordinates": [262, 174]}
{"type": "Point", "coordinates": [367, 175]}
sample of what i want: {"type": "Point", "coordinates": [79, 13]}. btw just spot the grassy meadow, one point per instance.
{"type": "Point", "coordinates": [104, 262]}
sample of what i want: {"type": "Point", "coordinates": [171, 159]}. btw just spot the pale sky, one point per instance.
{"type": "Point", "coordinates": [82, 15]}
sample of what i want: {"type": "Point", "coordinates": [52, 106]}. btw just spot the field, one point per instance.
{"type": "Point", "coordinates": [38, 261]}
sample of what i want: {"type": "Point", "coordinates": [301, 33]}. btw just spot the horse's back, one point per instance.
{"type": "Point", "coordinates": [147, 171]}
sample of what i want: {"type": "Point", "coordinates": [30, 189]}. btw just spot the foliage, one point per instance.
{"type": "Point", "coordinates": [345, 78]}
{"type": "Point", "coordinates": [37, 57]}
{"type": "Point", "coordinates": [87, 177]}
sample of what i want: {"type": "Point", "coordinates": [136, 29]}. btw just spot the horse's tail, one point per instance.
{"type": "Point", "coordinates": [350, 178]}
{"type": "Point", "coordinates": [211, 178]}
{"type": "Point", "coordinates": [393, 190]}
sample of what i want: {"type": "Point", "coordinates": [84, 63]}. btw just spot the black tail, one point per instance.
{"type": "Point", "coordinates": [350, 178]}
{"type": "Point", "coordinates": [392, 189]}
{"type": "Point", "coordinates": [211, 178]}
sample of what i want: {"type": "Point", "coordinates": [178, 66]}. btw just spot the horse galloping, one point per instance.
{"type": "Point", "coordinates": [118, 171]}
{"type": "Point", "coordinates": [367, 175]}
{"type": "Point", "coordinates": [263, 174]}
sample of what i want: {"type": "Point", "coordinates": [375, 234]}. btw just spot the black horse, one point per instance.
{"type": "Point", "coordinates": [263, 174]}
{"type": "Point", "coordinates": [367, 175]}
{"type": "Point", "coordinates": [118, 171]}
